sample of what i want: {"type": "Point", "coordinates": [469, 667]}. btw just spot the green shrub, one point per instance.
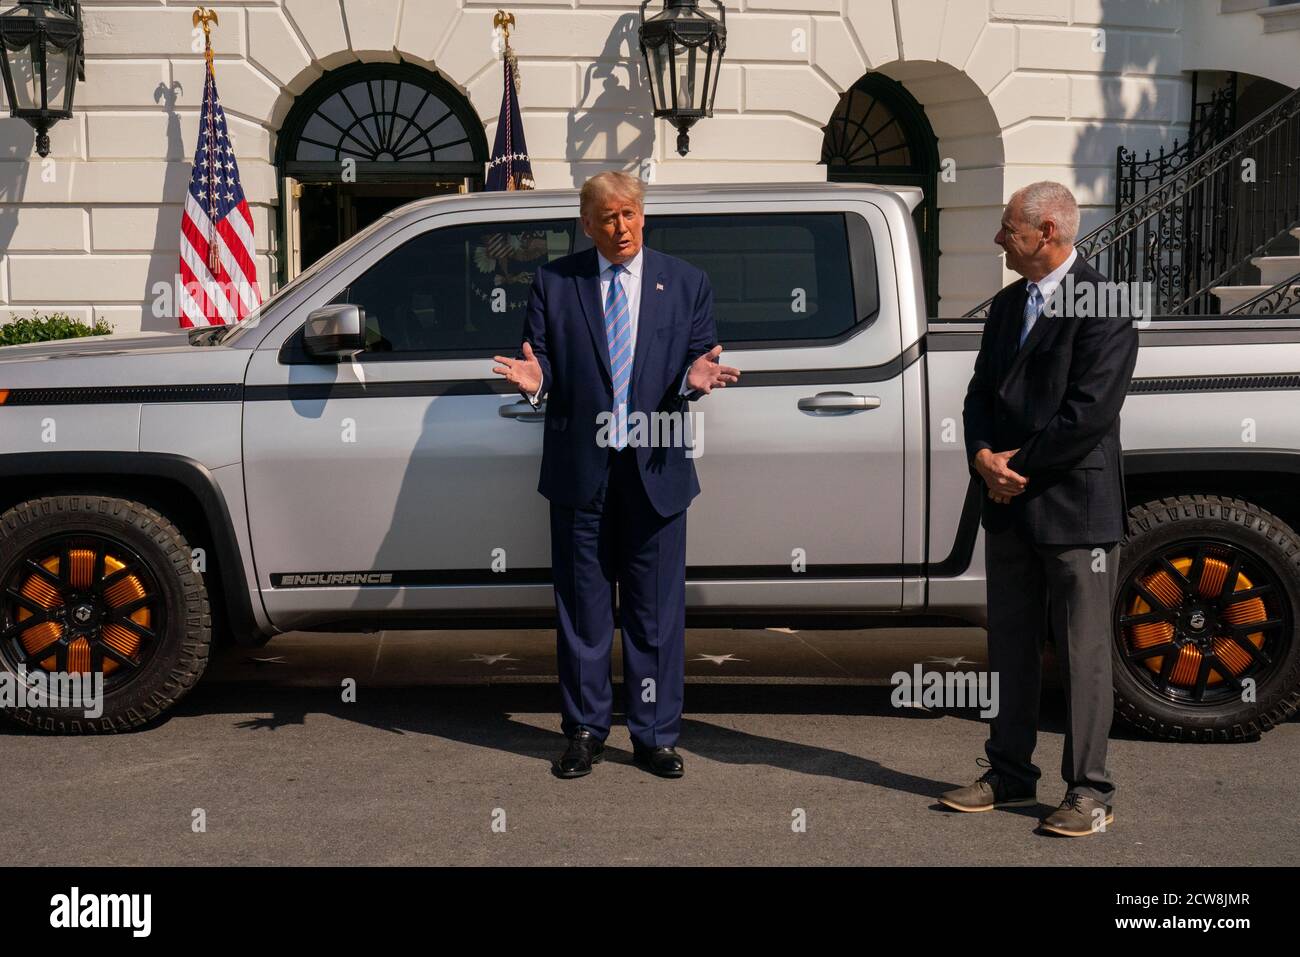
{"type": "Point", "coordinates": [37, 328]}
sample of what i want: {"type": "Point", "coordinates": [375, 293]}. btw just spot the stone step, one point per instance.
{"type": "Point", "coordinates": [1232, 296]}
{"type": "Point", "coordinates": [1275, 269]}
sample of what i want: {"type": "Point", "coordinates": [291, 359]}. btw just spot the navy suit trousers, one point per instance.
{"type": "Point", "coordinates": [619, 539]}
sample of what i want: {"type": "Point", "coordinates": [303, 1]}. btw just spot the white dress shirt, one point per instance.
{"type": "Point", "coordinates": [1046, 287]}
{"type": "Point", "coordinates": [631, 281]}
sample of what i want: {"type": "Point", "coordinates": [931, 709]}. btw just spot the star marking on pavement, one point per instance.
{"type": "Point", "coordinates": [719, 659]}
{"type": "Point", "coordinates": [952, 662]}
{"type": "Point", "coordinates": [490, 659]}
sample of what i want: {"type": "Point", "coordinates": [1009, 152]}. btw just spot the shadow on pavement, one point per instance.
{"type": "Point", "coordinates": [488, 717]}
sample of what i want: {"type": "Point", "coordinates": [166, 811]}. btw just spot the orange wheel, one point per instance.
{"type": "Point", "coordinates": [102, 616]}
{"type": "Point", "coordinates": [1205, 627]}
{"type": "Point", "coordinates": [79, 604]}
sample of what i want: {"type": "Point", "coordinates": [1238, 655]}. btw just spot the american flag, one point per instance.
{"type": "Point", "coordinates": [218, 272]}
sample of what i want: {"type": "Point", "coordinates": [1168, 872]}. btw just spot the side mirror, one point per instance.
{"type": "Point", "coordinates": [334, 332]}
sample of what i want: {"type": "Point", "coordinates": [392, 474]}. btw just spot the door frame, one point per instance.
{"type": "Point", "coordinates": [468, 174]}
{"type": "Point", "coordinates": [923, 171]}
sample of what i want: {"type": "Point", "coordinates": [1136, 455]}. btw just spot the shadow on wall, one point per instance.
{"type": "Point", "coordinates": [1129, 93]}
{"type": "Point", "coordinates": [956, 153]}
{"type": "Point", "coordinates": [160, 311]}
{"type": "Point", "coordinates": [617, 112]}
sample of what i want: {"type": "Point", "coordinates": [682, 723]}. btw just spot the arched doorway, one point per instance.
{"type": "Point", "coordinates": [363, 140]}
{"type": "Point", "coordinates": [879, 133]}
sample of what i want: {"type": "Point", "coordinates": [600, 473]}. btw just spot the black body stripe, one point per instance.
{"type": "Point", "coordinates": [963, 340]}
{"type": "Point", "coordinates": [115, 394]}
{"type": "Point", "coordinates": [954, 336]}
{"type": "Point", "coordinates": [317, 391]}
{"type": "Point", "coordinates": [320, 391]}
{"type": "Point", "coordinates": [424, 577]}
{"type": "Point", "coordinates": [1266, 382]}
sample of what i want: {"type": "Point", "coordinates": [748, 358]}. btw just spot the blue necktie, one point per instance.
{"type": "Point", "coordinates": [1033, 306]}
{"type": "Point", "coordinates": [618, 332]}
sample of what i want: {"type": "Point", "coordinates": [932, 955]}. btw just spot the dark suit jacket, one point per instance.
{"type": "Point", "coordinates": [1057, 400]}
{"type": "Point", "coordinates": [565, 324]}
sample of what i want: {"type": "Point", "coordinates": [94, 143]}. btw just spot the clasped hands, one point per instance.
{"type": "Point", "coordinates": [704, 375]}
{"type": "Point", "coordinates": [1003, 483]}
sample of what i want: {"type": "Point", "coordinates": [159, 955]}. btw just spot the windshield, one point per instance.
{"type": "Point", "coordinates": [229, 335]}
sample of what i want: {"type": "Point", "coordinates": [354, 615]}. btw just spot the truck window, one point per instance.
{"type": "Point", "coordinates": [457, 289]}
{"type": "Point", "coordinates": [777, 277]}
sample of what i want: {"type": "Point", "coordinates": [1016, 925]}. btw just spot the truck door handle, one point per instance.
{"type": "Point", "coordinates": [838, 403]}
{"type": "Point", "coordinates": [523, 411]}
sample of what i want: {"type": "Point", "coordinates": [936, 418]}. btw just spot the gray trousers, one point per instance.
{"type": "Point", "coordinates": [1068, 589]}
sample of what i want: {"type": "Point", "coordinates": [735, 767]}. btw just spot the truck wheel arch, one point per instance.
{"type": "Point", "coordinates": [206, 513]}
{"type": "Point", "coordinates": [1267, 477]}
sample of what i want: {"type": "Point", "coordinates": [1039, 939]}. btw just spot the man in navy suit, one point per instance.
{"type": "Point", "coordinates": [613, 334]}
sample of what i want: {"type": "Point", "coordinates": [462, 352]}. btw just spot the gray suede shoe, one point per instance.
{"type": "Point", "coordinates": [1078, 816]}
{"type": "Point", "coordinates": [990, 791]}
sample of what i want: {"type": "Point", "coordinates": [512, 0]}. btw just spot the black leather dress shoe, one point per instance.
{"type": "Point", "coordinates": [665, 762]}
{"type": "Point", "coordinates": [583, 751]}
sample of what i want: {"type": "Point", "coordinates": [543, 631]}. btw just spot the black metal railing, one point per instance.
{"type": "Point", "coordinates": [1212, 122]}
{"type": "Point", "coordinates": [1279, 299]}
{"type": "Point", "coordinates": [1202, 224]}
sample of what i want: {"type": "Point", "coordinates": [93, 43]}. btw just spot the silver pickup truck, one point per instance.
{"type": "Point", "coordinates": [345, 460]}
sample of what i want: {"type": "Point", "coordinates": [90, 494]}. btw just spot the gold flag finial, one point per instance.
{"type": "Point", "coordinates": [504, 21]}
{"type": "Point", "coordinates": [207, 18]}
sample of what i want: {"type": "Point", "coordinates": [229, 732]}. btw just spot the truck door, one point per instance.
{"type": "Point", "coordinates": [802, 464]}
{"type": "Point", "coordinates": [396, 484]}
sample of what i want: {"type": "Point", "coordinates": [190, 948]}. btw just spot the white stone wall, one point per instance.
{"type": "Point", "coordinates": [1016, 90]}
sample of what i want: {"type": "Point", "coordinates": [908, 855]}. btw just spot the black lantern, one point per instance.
{"type": "Point", "coordinates": [42, 59]}
{"type": "Point", "coordinates": [683, 49]}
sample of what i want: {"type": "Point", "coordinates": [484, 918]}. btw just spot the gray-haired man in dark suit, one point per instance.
{"type": "Point", "coordinates": [1042, 435]}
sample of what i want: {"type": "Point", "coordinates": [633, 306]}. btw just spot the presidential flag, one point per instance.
{"type": "Point", "coordinates": [509, 167]}
{"type": "Point", "coordinates": [218, 272]}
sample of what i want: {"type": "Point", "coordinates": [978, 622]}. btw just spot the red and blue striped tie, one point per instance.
{"type": "Point", "coordinates": [618, 332]}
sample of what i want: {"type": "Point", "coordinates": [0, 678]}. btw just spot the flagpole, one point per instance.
{"type": "Point", "coordinates": [207, 18]}
{"type": "Point", "coordinates": [509, 166]}
{"type": "Point", "coordinates": [504, 21]}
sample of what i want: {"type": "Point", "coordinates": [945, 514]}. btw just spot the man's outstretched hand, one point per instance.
{"type": "Point", "coordinates": [525, 373]}
{"type": "Point", "coordinates": [705, 374]}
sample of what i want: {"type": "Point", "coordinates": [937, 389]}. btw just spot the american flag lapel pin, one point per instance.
{"type": "Point", "coordinates": [659, 287]}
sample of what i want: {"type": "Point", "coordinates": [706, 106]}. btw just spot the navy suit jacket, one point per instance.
{"type": "Point", "coordinates": [565, 325]}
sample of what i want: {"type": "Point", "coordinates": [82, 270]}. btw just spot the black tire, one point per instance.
{"type": "Point", "coordinates": [1220, 537]}
{"type": "Point", "coordinates": [168, 662]}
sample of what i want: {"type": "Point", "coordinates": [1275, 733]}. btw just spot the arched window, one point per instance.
{"type": "Point", "coordinates": [879, 133]}
{"type": "Point", "coordinates": [363, 140]}
{"type": "Point", "coordinates": [383, 113]}
{"type": "Point", "coordinates": [865, 131]}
